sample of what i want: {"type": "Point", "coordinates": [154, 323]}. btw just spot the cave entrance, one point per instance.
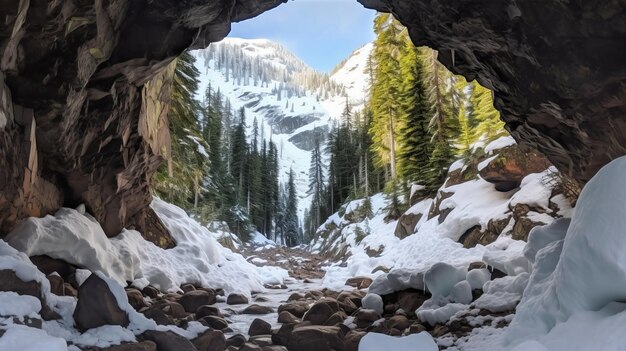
{"type": "Point", "coordinates": [338, 85]}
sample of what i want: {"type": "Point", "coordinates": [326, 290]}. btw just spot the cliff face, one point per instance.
{"type": "Point", "coordinates": [557, 68]}
{"type": "Point", "coordinates": [84, 100]}
{"type": "Point", "coordinates": [84, 87]}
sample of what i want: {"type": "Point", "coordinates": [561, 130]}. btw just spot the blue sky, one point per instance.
{"type": "Point", "coordinates": [321, 32]}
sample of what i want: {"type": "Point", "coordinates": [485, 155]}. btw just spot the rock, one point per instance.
{"type": "Point", "coordinates": [398, 322]}
{"type": "Point", "coordinates": [187, 288]}
{"type": "Point", "coordinates": [69, 290]}
{"type": "Point", "coordinates": [337, 318]}
{"type": "Point", "coordinates": [168, 341]}
{"type": "Point", "coordinates": [313, 338]}
{"type": "Point", "coordinates": [207, 310]}
{"type": "Point", "coordinates": [236, 299]}
{"type": "Point", "coordinates": [359, 282]}
{"type": "Point", "coordinates": [365, 318]}
{"type": "Point", "coordinates": [259, 327]}
{"type": "Point", "coordinates": [135, 298]}
{"type": "Point", "coordinates": [214, 322]}
{"type": "Point", "coordinates": [406, 224]}
{"type": "Point", "coordinates": [352, 340]}
{"type": "Point", "coordinates": [9, 281]}
{"type": "Point", "coordinates": [261, 340]}
{"type": "Point", "coordinates": [174, 309]}
{"type": "Point", "coordinates": [56, 284]}
{"type": "Point", "coordinates": [321, 311]}
{"type": "Point", "coordinates": [354, 296]}
{"type": "Point", "coordinates": [410, 300]}
{"type": "Point", "coordinates": [476, 235]}
{"type": "Point", "coordinates": [48, 265]}
{"type": "Point", "coordinates": [348, 306]}
{"type": "Point", "coordinates": [135, 346]}
{"type": "Point", "coordinates": [210, 340]}
{"type": "Point", "coordinates": [416, 328]}
{"type": "Point", "coordinates": [287, 317]}
{"type": "Point", "coordinates": [380, 269]}
{"type": "Point", "coordinates": [295, 297]}
{"type": "Point", "coordinates": [257, 309]}
{"type": "Point", "coordinates": [236, 340]}
{"type": "Point", "coordinates": [313, 294]}
{"type": "Point", "coordinates": [274, 348]}
{"type": "Point", "coordinates": [151, 292]}
{"type": "Point", "coordinates": [374, 302]}
{"type": "Point", "coordinates": [511, 165]}
{"type": "Point", "coordinates": [158, 316]}
{"type": "Point", "coordinates": [196, 298]}
{"type": "Point", "coordinates": [250, 347]}
{"type": "Point", "coordinates": [439, 331]}
{"type": "Point", "coordinates": [97, 306]}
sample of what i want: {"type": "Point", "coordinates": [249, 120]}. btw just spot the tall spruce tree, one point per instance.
{"type": "Point", "coordinates": [292, 232]}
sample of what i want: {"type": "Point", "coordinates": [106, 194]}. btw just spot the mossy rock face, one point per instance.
{"type": "Point", "coordinates": [511, 165]}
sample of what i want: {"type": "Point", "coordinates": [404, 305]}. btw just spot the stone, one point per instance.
{"type": "Point", "coordinates": [257, 309]}
{"type": "Point", "coordinates": [352, 340]}
{"type": "Point", "coordinates": [321, 311]}
{"type": "Point", "coordinates": [310, 337]}
{"type": "Point", "coordinates": [410, 300]}
{"type": "Point", "coordinates": [274, 348]}
{"type": "Point", "coordinates": [236, 340]}
{"type": "Point", "coordinates": [364, 317]}
{"type": "Point", "coordinates": [158, 316]}
{"type": "Point", "coordinates": [439, 331]}
{"type": "Point", "coordinates": [207, 310]}
{"type": "Point", "coordinates": [261, 340]}
{"type": "Point", "coordinates": [135, 298]}
{"type": "Point", "coordinates": [295, 297]}
{"type": "Point", "coordinates": [56, 284]}
{"type": "Point", "coordinates": [196, 298]}
{"type": "Point", "coordinates": [406, 224]}
{"type": "Point", "coordinates": [337, 318]}
{"type": "Point", "coordinates": [48, 265]}
{"type": "Point", "coordinates": [287, 317]}
{"type": "Point", "coordinates": [151, 292]}
{"type": "Point", "coordinates": [511, 165]}
{"type": "Point", "coordinates": [9, 281]}
{"type": "Point", "coordinates": [236, 299]}
{"type": "Point", "coordinates": [135, 346]}
{"type": "Point", "coordinates": [69, 290]}
{"type": "Point", "coordinates": [259, 327]}
{"type": "Point", "coordinates": [168, 341]}
{"type": "Point", "coordinates": [174, 309]}
{"type": "Point", "coordinates": [214, 322]}
{"type": "Point", "coordinates": [398, 322]}
{"type": "Point", "coordinates": [250, 347]}
{"type": "Point", "coordinates": [97, 306]}
{"type": "Point", "coordinates": [359, 282]}
{"type": "Point", "coordinates": [187, 288]}
{"type": "Point", "coordinates": [210, 340]}
{"type": "Point", "coordinates": [313, 294]}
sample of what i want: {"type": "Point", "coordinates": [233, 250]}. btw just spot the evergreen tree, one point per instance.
{"type": "Point", "coordinates": [489, 124]}
{"type": "Point", "coordinates": [316, 183]}
{"type": "Point", "coordinates": [291, 213]}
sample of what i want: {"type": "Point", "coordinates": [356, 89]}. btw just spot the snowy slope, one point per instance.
{"type": "Point", "coordinates": [353, 74]}
{"type": "Point", "coordinates": [307, 101]}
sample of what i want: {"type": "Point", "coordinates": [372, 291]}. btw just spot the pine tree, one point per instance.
{"type": "Point", "coordinates": [489, 124]}
{"type": "Point", "coordinates": [316, 182]}
{"type": "Point", "coordinates": [415, 149]}
{"type": "Point", "coordinates": [291, 213]}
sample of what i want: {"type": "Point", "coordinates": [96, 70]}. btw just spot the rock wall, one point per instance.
{"type": "Point", "coordinates": [557, 68]}
{"type": "Point", "coordinates": [84, 100]}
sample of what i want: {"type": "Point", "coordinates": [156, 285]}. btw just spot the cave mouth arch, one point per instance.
{"type": "Point", "coordinates": [557, 71]}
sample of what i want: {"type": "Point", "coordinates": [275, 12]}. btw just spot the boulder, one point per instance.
{"type": "Point", "coordinates": [151, 292]}
{"type": "Point", "coordinates": [168, 341]}
{"type": "Point", "coordinates": [214, 322]}
{"type": "Point", "coordinates": [364, 317]}
{"type": "Point", "coordinates": [48, 265]}
{"type": "Point", "coordinates": [250, 347]}
{"type": "Point", "coordinates": [210, 340]}
{"type": "Point", "coordinates": [187, 288]}
{"type": "Point", "coordinates": [406, 224]}
{"type": "Point", "coordinates": [135, 298]}
{"type": "Point", "coordinates": [237, 299]}
{"type": "Point", "coordinates": [321, 311]}
{"type": "Point", "coordinates": [207, 310]}
{"type": "Point", "coordinates": [311, 338]}
{"type": "Point", "coordinates": [511, 165]}
{"type": "Point", "coordinates": [261, 340]}
{"type": "Point", "coordinates": [257, 309]}
{"type": "Point", "coordinates": [287, 317]}
{"type": "Point", "coordinates": [9, 281]}
{"type": "Point", "coordinates": [337, 318]}
{"type": "Point", "coordinates": [69, 290]}
{"type": "Point", "coordinates": [97, 306]}
{"type": "Point", "coordinates": [135, 346]}
{"type": "Point", "coordinates": [352, 340]}
{"type": "Point", "coordinates": [359, 282]}
{"type": "Point", "coordinates": [236, 340]}
{"type": "Point", "coordinates": [158, 316]}
{"type": "Point", "coordinates": [196, 298]}
{"type": "Point", "coordinates": [398, 322]}
{"type": "Point", "coordinates": [173, 309]}
{"type": "Point", "coordinates": [295, 297]}
{"type": "Point", "coordinates": [56, 284]}
{"type": "Point", "coordinates": [259, 327]}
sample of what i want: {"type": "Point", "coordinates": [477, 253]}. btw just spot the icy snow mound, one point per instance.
{"type": "Point", "coordinates": [197, 258]}
{"type": "Point", "coordinates": [376, 342]}
{"type": "Point", "coordinates": [584, 272]}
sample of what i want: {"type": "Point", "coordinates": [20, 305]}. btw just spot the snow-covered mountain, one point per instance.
{"type": "Point", "coordinates": [290, 100]}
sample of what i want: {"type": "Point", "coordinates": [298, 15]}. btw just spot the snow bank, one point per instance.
{"type": "Point", "coordinates": [589, 275]}
{"type": "Point", "coordinates": [30, 339]}
{"type": "Point", "coordinates": [499, 143]}
{"type": "Point", "coordinates": [416, 342]}
{"type": "Point", "coordinates": [197, 258]}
